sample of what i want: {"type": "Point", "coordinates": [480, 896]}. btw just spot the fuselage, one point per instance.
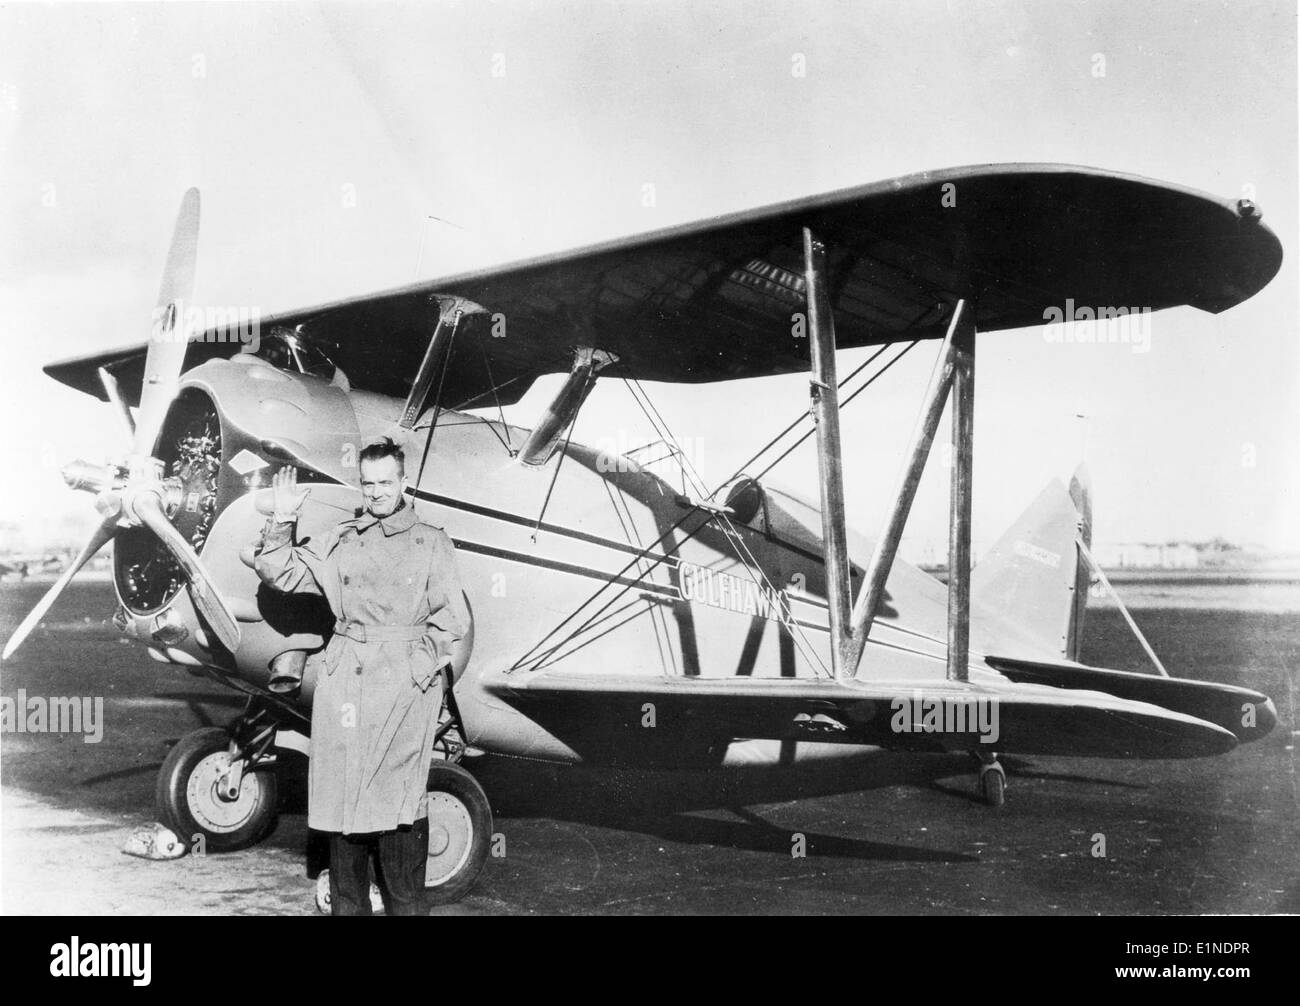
{"type": "Point", "coordinates": [602, 567]}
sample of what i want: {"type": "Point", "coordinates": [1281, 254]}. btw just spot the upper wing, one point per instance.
{"type": "Point", "coordinates": [714, 300]}
{"type": "Point", "coordinates": [609, 712]}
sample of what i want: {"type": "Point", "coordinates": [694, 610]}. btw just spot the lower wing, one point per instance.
{"type": "Point", "coordinates": [1006, 716]}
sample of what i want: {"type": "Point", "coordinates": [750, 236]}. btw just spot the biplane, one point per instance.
{"type": "Point", "coordinates": [620, 617]}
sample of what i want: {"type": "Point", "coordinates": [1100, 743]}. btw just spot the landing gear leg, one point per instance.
{"type": "Point", "coordinates": [460, 817]}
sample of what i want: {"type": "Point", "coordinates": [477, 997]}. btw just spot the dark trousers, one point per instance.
{"type": "Point", "coordinates": [402, 855]}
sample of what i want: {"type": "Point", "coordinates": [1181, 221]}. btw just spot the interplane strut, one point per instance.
{"type": "Point", "coordinates": [954, 370]}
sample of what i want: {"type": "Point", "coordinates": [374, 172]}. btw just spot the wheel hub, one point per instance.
{"type": "Point", "coordinates": [451, 838]}
{"type": "Point", "coordinates": [211, 808]}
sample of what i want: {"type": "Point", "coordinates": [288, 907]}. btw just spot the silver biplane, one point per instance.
{"type": "Point", "coordinates": [618, 618]}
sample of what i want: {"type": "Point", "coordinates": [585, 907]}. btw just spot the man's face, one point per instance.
{"type": "Point", "coordinates": [381, 484]}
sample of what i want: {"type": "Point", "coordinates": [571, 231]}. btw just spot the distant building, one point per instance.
{"type": "Point", "coordinates": [1142, 555]}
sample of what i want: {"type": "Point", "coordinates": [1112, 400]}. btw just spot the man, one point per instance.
{"type": "Point", "coordinates": [390, 580]}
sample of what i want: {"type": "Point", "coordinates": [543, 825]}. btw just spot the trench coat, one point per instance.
{"type": "Point", "coordinates": [392, 584]}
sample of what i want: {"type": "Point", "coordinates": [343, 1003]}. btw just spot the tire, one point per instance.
{"type": "Point", "coordinates": [460, 833]}
{"type": "Point", "coordinates": [993, 785]}
{"type": "Point", "coordinates": [187, 800]}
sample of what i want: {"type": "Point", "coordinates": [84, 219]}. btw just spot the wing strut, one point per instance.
{"type": "Point", "coordinates": [927, 423]}
{"type": "Point", "coordinates": [954, 370]}
{"type": "Point", "coordinates": [544, 441]}
{"type": "Point", "coordinates": [825, 409]}
{"type": "Point", "coordinates": [959, 506]}
{"type": "Point", "coordinates": [450, 312]}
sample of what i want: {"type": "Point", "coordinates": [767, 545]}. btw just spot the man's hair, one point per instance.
{"type": "Point", "coordinates": [384, 449]}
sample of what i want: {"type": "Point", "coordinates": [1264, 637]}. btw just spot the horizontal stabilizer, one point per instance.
{"type": "Point", "coordinates": [939, 715]}
{"type": "Point", "coordinates": [1247, 714]}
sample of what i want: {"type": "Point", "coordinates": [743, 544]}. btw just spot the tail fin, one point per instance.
{"type": "Point", "coordinates": [1035, 576]}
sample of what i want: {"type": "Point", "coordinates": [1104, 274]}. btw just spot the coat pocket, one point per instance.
{"type": "Point", "coordinates": [333, 654]}
{"type": "Point", "coordinates": [423, 661]}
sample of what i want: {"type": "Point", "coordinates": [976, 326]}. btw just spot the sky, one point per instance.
{"type": "Point", "coordinates": [343, 150]}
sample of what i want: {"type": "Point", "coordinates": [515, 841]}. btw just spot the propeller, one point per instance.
{"type": "Point", "coordinates": [204, 593]}
{"type": "Point", "coordinates": [169, 337]}
{"type": "Point", "coordinates": [134, 493]}
{"type": "Point", "coordinates": [101, 537]}
{"type": "Point", "coordinates": [115, 399]}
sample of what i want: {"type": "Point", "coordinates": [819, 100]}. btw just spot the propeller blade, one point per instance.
{"type": "Point", "coordinates": [207, 599]}
{"type": "Point", "coordinates": [103, 534]}
{"type": "Point", "coordinates": [169, 337]}
{"type": "Point", "coordinates": [114, 392]}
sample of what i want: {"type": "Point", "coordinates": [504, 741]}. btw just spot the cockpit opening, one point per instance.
{"type": "Point", "coordinates": [745, 498]}
{"type": "Point", "coordinates": [289, 349]}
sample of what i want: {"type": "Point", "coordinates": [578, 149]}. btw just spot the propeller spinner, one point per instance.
{"type": "Point", "coordinates": [134, 492]}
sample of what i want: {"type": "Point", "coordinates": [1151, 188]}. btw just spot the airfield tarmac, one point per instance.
{"type": "Point", "coordinates": [884, 834]}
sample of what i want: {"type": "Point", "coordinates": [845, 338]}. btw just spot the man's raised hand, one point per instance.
{"type": "Point", "coordinates": [288, 497]}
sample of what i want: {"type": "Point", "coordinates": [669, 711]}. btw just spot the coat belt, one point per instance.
{"type": "Point", "coordinates": [364, 633]}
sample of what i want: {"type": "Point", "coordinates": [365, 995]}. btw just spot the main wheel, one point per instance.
{"type": "Point", "coordinates": [460, 833]}
{"type": "Point", "coordinates": [189, 803]}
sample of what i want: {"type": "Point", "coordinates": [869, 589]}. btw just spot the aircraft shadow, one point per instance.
{"type": "Point", "coordinates": [225, 700]}
{"type": "Point", "coordinates": [681, 806]}
{"type": "Point", "coordinates": [122, 773]}
{"type": "Point", "coordinates": [757, 835]}
{"type": "Point", "coordinates": [671, 805]}
{"type": "Point", "coordinates": [1073, 778]}
{"type": "Point", "coordinates": [1018, 769]}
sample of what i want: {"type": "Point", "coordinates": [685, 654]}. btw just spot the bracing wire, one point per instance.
{"type": "Point", "coordinates": [528, 656]}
